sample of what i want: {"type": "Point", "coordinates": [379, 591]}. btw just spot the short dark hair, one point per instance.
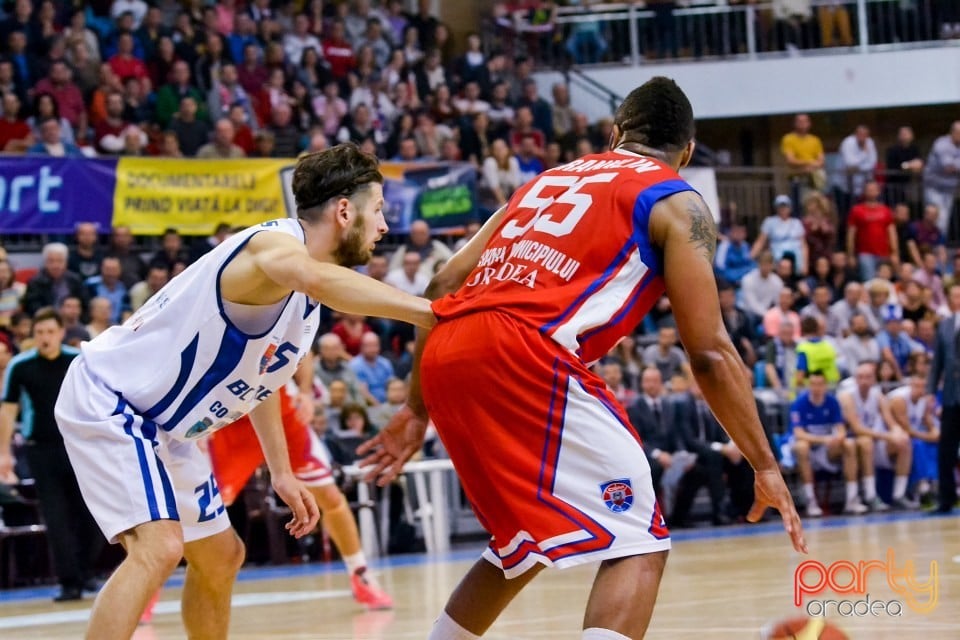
{"type": "Point", "coordinates": [656, 114]}
{"type": "Point", "coordinates": [340, 171]}
{"type": "Point", "coordinates": [818, 373]}
{"type": "Point", "coordinates": [809, 325]}
{"type": "Point", "coordinates": [47, 313]}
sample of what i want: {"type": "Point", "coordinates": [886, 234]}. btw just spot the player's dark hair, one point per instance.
{"type": "Point", "coordinates": [809, 325]}
{"type": "Point", "coordinates": [818, 373]}
{"type": "Point", "coordinates": [657, 114]}
{"type": "Point", "coordinates": [47, 313]}
{"type": "Point", "coordinates": [338, 172]}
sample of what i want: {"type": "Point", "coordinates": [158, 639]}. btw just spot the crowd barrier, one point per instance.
{"type": "Point", "coordinates": [40, 195]}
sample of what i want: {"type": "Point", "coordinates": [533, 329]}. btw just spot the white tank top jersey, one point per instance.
{"type": "Point", "coordinates": [868, 409]}
{"type": "Point", "coordinates": [915, 410]}
{"type": "Point", "coordinates": [183, 362]}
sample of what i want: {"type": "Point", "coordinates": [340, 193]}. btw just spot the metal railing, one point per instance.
{"type": "Point", "coordinates": [635, 33]}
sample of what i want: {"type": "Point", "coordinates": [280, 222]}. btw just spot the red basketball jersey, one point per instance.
{"type": "Point", "coordinates": [572, 256]}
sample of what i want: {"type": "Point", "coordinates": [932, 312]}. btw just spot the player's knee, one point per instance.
{"type": "Point", "coordinates": [849, 447]}
{"type": "Point", "coordinates": [865, 443]}
{"type": "Point", "coordinates": [801, 449]}
{"type": "Point", "coordinates": [234, 553]}
{"type": "Point", "coordinates": [160, 556]}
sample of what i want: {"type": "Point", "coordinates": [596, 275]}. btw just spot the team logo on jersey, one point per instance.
{"type": "Point", "coordinates": [267, 356]}
{"type": "Point", "coordinates": [199, 428]}
{"type": "Point", "coordinates": [617, 495]}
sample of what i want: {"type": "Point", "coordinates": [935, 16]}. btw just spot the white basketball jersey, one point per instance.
{"type": "Point", "coordinates": [915, 410]}
{"type": "Point", "coordinates": [181, 362]}
{"type": "Point", "coordinates": [868, 409]}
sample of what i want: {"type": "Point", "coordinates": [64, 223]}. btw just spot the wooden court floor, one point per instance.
{"type": "Point", "coordinates": [723, 584]}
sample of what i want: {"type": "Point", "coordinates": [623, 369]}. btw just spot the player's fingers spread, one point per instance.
{"type": "Point", "coordinates": [369, 445]}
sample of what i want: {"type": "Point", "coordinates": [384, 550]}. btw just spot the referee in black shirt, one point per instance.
{"type": "Point", "coordinates": [31, 384]}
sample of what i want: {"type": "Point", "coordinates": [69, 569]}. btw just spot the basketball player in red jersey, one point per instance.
{"type": "Point", "coordinates": [545, 453]}
{"type": "Point", "coordinates": [236, 455]}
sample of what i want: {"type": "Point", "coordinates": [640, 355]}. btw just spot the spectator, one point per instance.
{"type": "Point", "coordinates": [819, 306]}
{"type": "Point", "coordinates": [150, 31]}
{"type": "Point", "coordinates": [774, 318]}
{"type": "Point", "coordinates": [221, 147]}
{"type": "Point", "coordinates": [858, 158]}
{"type": "Point", "coordinates": [8, 81]}
{"type": "Point", "coordinates": [45, 108]}
{"type": "Point", "coordinates": [612, 374]}
{"type": "Point", "coordinates": [227, 93]}
{"type": "Point", "coordinates": [338, 51]}
{"type": "Point", "coordinates": [895, 345]}
{"type": "Point", "coordinates": [172, 252]}
{"type": "Point", "coordinates": [820, 443]}
{"type": "Point", "coordinates": [502, 114]}
{"type": "Point", "coordinates": [299, 39]}
{"type": "Point", "coordinates": [431, 251]}
{"type": "Point", "coordinates": [928, 276]}
{"type": "Point", "coordinates": [124, 63]}
{"type": "Point", "coordinates": [717, 458]}
{"type": "Point", "coordinates": [16, 136]}
{"type": "Point", "coordinates": [925, 235]}
{"type": "Point", "coordinates": [11, 293]}
{"type": "Point", "coordinates": [332, 366]}
{"type": "Point", "coordinates": [501, 173]}
{"type": "Point", "coordinates": [871, 233]}
{"type": "Point", "coordinates": [470, 104]}
{"type": "Point", "coordinates": [132, 266]}
{"type": "Point", "coordinates": [834, 18]}
{"type": "Point", "coordinates": [814, 353]}
{"type": "Point", "coordinates": [77, 31]}
{"type": "Point", "coordinates": [666, 356]}
{"type": "Point", "coordinates": [803, 152]}
{"type": "Point", "coordinates": [107, 285]}
{"type": "Point", "coordinates": [941, 175]}
{"type": "Point", "coordinates": [784, 234]}
{"type": "Point", "coordinates": [111, 133]}
{"type": "Point", "coordinates": [86, 68]}
{"type": "Point", "coordinates": [251, 72]}
{"type": "Point", "coordinates": [51, 142]}
{"type": "Point", "coordinates": [330, 108]}
{"type": "Point", "coordinates": [373, 38]}
{"type": "Point", "coordinates": [411, 277]}
{"type": "Point", "coordinates": [286, 137]}
{"type": "Point", "coordinates": [372, 369]}
{"type": "Point", "coordinates": [841, 311]}
{"type": "Point", "coordinates": [524, 128]}
{"type": "Point", "coordinates": [26, 67]}
{"type": "Point", "coordinates": [860, 345]}
{"type": "Point", "coordinates": [733, 260]}
{"type": "Point", "coordinates": [157, 277]}
{"type": "Point", "coordinates": [529, 159]}
{"type": "Point", "coordinates": [780, 358]}
{"type": "Point", "coordinates": [170, 97]}
{"type": "Point", "coordinates": [101, 317]}
{"type": "Point", "coordinates": [396, 396]}
{"type": "Point", "coordinates": [243, 134]}
{"type": "Point", "coordinates": [653, 417]}
{"type": "Point", "coordinates": [136, 8]}
{"type": "Point", "coordinates": [85, 259]}
{"type": "Point", "coordinates": [540, 109]}
{"type": "Point", "coordinates": [761, 287]}
{"type": "Point", "coordinates": [59, 84]}
{"type": "Point", "coordinates": [904, 164]}
{"type": "Point", "coordinates": [819, 226]}
{"type": "Point", "coordinates": [191, 132]}
{"type": "Point", "coordinates": [738, 323]}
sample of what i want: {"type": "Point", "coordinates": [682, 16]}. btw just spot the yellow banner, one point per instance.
{"type": "Point", "coordinates": [193, 196]}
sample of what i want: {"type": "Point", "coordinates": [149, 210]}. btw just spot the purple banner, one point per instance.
{"type": "Point", "coordinates": [51, 195]}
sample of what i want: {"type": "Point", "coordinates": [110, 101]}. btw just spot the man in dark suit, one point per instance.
{"type": "Point", "coordinates": [945, 375]}
{"type": "Point", "coordinates": [701, 434]}
{"type": "Point", "coordinates": [653, 416]}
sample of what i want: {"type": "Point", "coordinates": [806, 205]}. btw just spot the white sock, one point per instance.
{"type": "Point", "coordinates": [851, 492]}
{"type": "Point", "coordinates": [808, 493]}
{"type": "Point", "coordinates": [593, 633]}
{"type": "Point", "coordinates": [355, 561]}
{"type": "Point", "coordinates": [445, 628]}
{"type": "Point", "coordinates": [869, 488]}
{"type": "Point", "coordinates": [899, 486]}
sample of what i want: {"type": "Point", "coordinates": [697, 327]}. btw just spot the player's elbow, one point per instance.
{"type": "Point", "coordinates": [712, 356]}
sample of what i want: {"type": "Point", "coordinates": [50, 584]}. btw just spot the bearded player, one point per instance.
{"type": "Point", "coordinates": [210, 347]}
{"type": "Point", "coordinates": [544, 451]}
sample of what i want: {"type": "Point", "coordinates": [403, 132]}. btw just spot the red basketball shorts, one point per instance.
{"type": "Point", "coordinates": [236, 454]}
{"type": "Point", "coordinates": [544, 452]}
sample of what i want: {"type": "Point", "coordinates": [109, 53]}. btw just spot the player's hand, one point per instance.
{"type": "Point", "coordinates": [390, 449]}
{"type": "Point", "coordinates": [771, 491]}
{"type": "Point", "coordinates": [7, 476]}
{"type": "Point", "coordinates": [295, 494]}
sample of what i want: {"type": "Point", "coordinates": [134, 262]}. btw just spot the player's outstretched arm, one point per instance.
{"type": "Point", "coordinates": [389, 450]}
{"type": "Point", "coordinates": [284, 261]}
{"type": "Point", "coordinates": [265, 418]}
{"type": "Point", "coordinates": [683, 227]}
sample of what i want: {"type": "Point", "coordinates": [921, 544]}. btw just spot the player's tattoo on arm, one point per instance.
{"type": "Point", "coordinates": [703, 230]}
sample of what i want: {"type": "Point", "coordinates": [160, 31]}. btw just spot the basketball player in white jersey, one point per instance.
{"type": "Point", "coordinates": [912, 410]}
{"type": "Point", "coordinates": [211, 346]}
{"type": "Point", "coordinates": [880, 439]}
